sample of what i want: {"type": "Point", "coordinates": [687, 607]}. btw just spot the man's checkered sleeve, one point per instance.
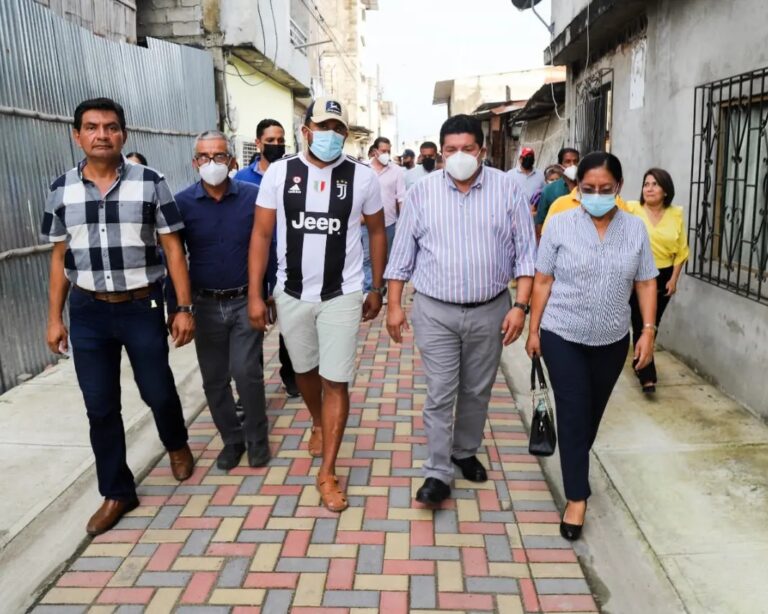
{"type": "Point", "coordinates": [167, 215]}
{"type": "Point", "coordinates": [52, 228]}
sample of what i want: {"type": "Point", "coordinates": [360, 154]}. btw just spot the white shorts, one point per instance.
{"type": "Point", "coordinates": [321, 334]}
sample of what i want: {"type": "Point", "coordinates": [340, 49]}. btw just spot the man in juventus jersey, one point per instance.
{"type": "Point", "coordinates": [317, 199]}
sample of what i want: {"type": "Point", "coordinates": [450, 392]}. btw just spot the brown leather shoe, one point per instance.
{"type": "Point", "coordinates": [107, 516]}
{"type": "Point", "coordinates": [182, 463]}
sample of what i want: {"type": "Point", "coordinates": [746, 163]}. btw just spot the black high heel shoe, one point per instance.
{"type": "Point", "coordinates": [571, 532]}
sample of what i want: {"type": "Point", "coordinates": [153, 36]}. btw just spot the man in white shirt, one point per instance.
{"type": "Point", "coordinates": [530, 180]}
{"type": "Point", "coordinates": [317, 198]}
{"type": "Point", "coordinates": [392, 186]}
{"type": "Point", "coordinates": [427, 164]}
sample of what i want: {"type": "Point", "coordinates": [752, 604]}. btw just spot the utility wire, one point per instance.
{"type": "Point", "coordinates": [277, 44]}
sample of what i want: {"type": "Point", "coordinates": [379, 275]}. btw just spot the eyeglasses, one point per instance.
{"type": "Point", "coordinates": [218, 158]}
{"type": "Point", "coordinates": [604, 190]}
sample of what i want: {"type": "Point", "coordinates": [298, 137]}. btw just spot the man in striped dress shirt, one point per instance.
{"type": "Point", "coordinates": [464, 233]}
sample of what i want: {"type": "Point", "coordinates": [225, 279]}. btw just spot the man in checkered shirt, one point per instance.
{"type": "Point", "coordinates": [103, 217]}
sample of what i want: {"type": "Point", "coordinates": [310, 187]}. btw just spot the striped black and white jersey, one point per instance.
{"type": "Point", "coordinates": [319, 251]}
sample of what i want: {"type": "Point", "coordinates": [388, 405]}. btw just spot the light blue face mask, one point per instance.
{"type": "Point", "coordinates": [326, 144]}
{"type": "Point", "coordinates": [597, 205]}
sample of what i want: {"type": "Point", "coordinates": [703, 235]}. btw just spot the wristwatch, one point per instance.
{"type": "Point", "coordinates": [379, 290]}
{"type": "Point", "coordinates": [522, 306]}
{"type": "Point", "coordinates": [190, 309]}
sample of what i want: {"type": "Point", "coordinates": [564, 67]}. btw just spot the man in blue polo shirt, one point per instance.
{"type": "Point", "coordinates": [218, 216]}
{"type": "Point", "coordinates": [270, 139]}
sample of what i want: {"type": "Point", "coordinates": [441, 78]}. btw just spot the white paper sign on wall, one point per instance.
{"type": "Point", "coordinates": [637, 75]}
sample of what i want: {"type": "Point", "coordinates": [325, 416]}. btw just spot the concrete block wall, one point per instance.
{"type": "Point", "coordinates": [112, 19]}
{"type": "Point", "coordinates": [170, 19]}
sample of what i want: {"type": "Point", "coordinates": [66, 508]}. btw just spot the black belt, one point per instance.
{"type": "Point", "coordinates": [471, 305]}
{"type": "Point", "coordinates": [119, 297]}
{"type": "Point", "coordinates": [223, 295]}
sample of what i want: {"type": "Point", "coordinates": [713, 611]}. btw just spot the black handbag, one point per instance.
{"type": "Point", "coordinates": [543, 437]}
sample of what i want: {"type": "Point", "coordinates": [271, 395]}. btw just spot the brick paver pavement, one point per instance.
{"type": "Point", "coordinates": [258, 540]}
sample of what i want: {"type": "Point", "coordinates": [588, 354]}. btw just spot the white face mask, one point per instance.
{"type": "Point", "coordinates": [212, 173]}
{"type": "Point", "coordinates": [570, 172]}
{"type": "Point", "coordinates": [383, 159]}
{"type": "Point", "coordinates": [461, 166]}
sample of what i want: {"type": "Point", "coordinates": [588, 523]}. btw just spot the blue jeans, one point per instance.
{"type": "Point", "coordinates": [99, 331]}
{"type": "Point", "coordinates": [367, 270]}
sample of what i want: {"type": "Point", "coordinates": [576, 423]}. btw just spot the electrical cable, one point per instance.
{"type": "Point", "coordinates": [318, 16]}
{"type": "Point", "coordinates": [551, 59]}
{"type": "Point", "coordinates": [274, 58]}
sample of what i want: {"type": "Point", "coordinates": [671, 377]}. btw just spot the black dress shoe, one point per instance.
{"type": "Point", "coordinates": [571, 532]}
{"type": "Point", "coordinates": [258, 455]}
{"type": "Point", "coordinates": [649, 389]}
{"type": "Point", "coordinates": [291, 389]}
{"type": "Point", "coordinates": [471, 468]}
{"type": "Point", "coordinates": [230, 455]}
{"type": "Point", "coordinates": [433, 492]}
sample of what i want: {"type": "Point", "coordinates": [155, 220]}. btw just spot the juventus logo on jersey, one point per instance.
{"type": "Point", "coordinates": [341, 186]}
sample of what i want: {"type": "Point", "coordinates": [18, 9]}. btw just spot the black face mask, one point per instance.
{"type": "Point", "coordinates": [428, 164]}
{"type": "Point", "coordinates": [272, 152]}
{"type": "Point", "coordinates": [527, 162]}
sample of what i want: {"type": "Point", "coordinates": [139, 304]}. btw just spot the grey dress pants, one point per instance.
{"type": "Point", "coordinates": [460, 350]}
{"type": "Point", "coordinates": [228, 347]}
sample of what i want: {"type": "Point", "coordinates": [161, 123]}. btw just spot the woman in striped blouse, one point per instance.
{"type": "Point", "coordinates": [665, 224]}
{"type": "Point", "coordinates": [590, 260]}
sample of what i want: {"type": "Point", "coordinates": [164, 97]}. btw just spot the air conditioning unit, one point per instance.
{"type": "Point", "coordinates": [525, 4]}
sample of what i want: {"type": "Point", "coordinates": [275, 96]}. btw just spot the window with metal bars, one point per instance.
{"type": "Point", "coordinates": [728, 213]}
{"type": "Point", "coordinates": [594, 98]}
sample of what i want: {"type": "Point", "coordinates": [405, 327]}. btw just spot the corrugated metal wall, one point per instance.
{"type": "Point", "coordinates": [48, 66]}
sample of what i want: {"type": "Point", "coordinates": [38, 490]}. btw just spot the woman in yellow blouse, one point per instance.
{"type": "Point", "coordinates": [669, 242]}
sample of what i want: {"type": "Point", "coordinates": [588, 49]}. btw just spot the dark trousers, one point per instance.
{"type": "Point", "coordinates": [228, 347]}
{"type": "Point", "coordinates": [99, 331]}
{"type": "Point", "coordinates": [582, 379]}
{"type": "Point", "coordinates": [648, 373]}
{"type": "Point", "coordinates": [287, 374]}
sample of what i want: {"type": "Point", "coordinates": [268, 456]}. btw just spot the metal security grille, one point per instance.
{"type": "Point", "coordinates": [728, 222]}
{"type": "Point", "coordinates": [594, 98]}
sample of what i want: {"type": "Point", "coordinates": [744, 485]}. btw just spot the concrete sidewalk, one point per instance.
{"type": "Point", "coordinates": [678, 521]}
{"type": "Point", "coordinates": [258, 540]}
{"type": "Point", "coordinates": [48, 481]}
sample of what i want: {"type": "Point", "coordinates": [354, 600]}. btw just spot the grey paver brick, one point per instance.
{"type": "Point", "coordinates": [60, 609]}
{"type": "Point", "coordinates": [133, 522]}
{"type": "Point", "coordinates": [285, 505]}
{"type": "Point", "coordinates": [435, 553]}
{"type": "Point", "coordinates": [231, 576]}
{"type": "Point", "coordinates": [232, 511]}
{"type": "Point", "coordinates": [251, 485]}
{"type": "Point", "coordinates": [196, 489]}
{"type": "Point", "coordinates": [384, 435]}
{"type": "Point", "coordinates": [423, 590]}
{"type": "Point", "coordinates": [202, 609]}
{"type": "Point", "coordinates": [505, 586]}
{"type": "Point", "coordinates": [298, 480]}
{"type": "Point", "coordinates": [359, 599]}
{"type": "Point", "coordinates": [164, 578]}
{"type": "Point", "coordinates": [399, 496]}
{"type": "Point", "coordinates": [97, 563]}
{"type": "Point", "coordinates": [291, 442]}
{"type": "Point", "coordinates": [546, 541]}
{"type": "Point", "coordinates": [358, 476]}
{"type": "Point", "coordinates": [261, 535]}
{"type": "Point", "coordinates": [143, 491]}
{"type": "Point", "coordinates": [130, 609]}
{"type": "Point", "coordinates": [446, 521]}
{"type": "Point", "coordinates": [505, 516]}
{"type": "Point", "coordinates": [391, 526]}
{"type": "Point", "coordinates": [370, 559]}
{"type": "Point", "coordinates": [498, 549]}
{"type": "Point", "coordinates": [535, 506]}
{"type": "Point", "coordinates": [324, 531]}
{"type": "Point", "coordinates": [277, 602]}
{"type": "Point", "coordinates": [144, 549]}
{"type": "Point", "coordinates": [302, 564]}
{"type": "Point", "coordinates": [197, 542]}
{"type": "Point", "coordinates": [562, 586]}
{"type": "Point", "coordinates": [165, 518]}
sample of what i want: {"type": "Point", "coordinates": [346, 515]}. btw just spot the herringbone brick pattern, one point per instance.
{"type": "Point", "coordinates": [257, 540]}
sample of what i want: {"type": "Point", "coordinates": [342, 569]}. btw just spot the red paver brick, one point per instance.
{"type": "Point", "coordinates": [475, 561]}
{"type": "Point", "coordinates": [375, 538]}
{"type": "Point", "coordinates": [568, 603]}
{"type": "Point", "coordinates": [483, 528]}
{"type": "Point", "coordinates": [554, 555]}
{"type": "Point", "coordinates": [300, 466]}
{"type": "Point", "coordinates": [376, 508]}
{"type": "Point", "coordinates": [518, 555]}
{"type": "Point", "coordinates": [223, 549]}
{"type": "Point", "coordinates": [197, 475]}
{"type": "Point", "coordinates": [382, 481]}
{"type": "Point", "coordinates": [271, 580]}
{"type": "Point", "coordinates": [197, 523]}
{"type": "Point", "coordinates": [488, 501]}
{"type": "Point", "coordinates": [199, 587]}
{"type": "Point", "coordinates": [224, 495]}
{"type": "Point", "coordinates": [275, 489]}
{"type": "Point", "coordinates": [314, 610]}
{"type": "Point", "coordinates": [178, 500]}
{"type": "Point", "coordinates": [393, 603]}
{"type": "Point", "coordinates": [246, 609]}
{"type": "Point", "coordinates": [148, 500]}
{"type": "Point", "coordinates": [296, 543]}
{"type": "Point", "coordinates": [164, 557]}
{"type": "Point", "coordinates": [409, 568]}
{"type": "Point", "coordinates": [365, 442]}
{"type": "Point", "coordinates": [341, 574]}
{"type": "Point", "coordinates": [257, 518]}
{"type": "Point", "coordinates": [528, 593]}
{"type": "Point", "coordinates": [126, 595]}
{"type": "Point", "coordinates": [523, 485]}
{"type": "Point", "coordinates": [85, 579]}
{"type": "Point", "coordinates": [461, 601]}
{"type": "Point", "coordinates": [422, 533]}
{"type": "Point", "coordinates": [315, 512]}
{"type": "Point", "coordinates": [119, 536]}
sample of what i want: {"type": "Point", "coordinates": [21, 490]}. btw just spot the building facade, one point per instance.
{"type": "Point", "coordinates": [682, 85]}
